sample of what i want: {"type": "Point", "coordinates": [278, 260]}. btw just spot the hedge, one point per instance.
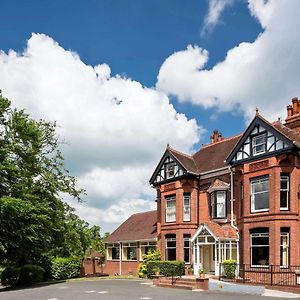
{"type": "Point", "coordinates": [25, 275]}
{"type": "Point", "coordinates": [65, 267]}
{"type": "Point", "coordinates": [165, 267]}
{"type": "Point", "coordinates": [229, 267]}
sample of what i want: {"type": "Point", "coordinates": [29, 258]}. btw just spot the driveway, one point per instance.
{"type": "Point", "coordinates": [114, 289]}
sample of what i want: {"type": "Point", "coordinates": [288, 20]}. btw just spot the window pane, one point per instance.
{"type": "Point", "coordinates": [261, 201]}
{"type": "Point", "coordinates": [260, 249]}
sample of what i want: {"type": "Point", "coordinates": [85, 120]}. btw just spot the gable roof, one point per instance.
{"type": "Point", "coordinates": [140, 226]}
{"type": "Point", "coordinates": [213, 156]}
{"type": "Point", "coordinates": [286, 134]}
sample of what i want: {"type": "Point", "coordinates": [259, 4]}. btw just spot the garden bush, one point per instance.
{"type": "Point", "coordinates": [10, 276]}
{"type": "Point", "coordinates": [166, 267]}
{"type": "Point", "coordinates": [30, 274]}
{"type": "Point", "coordinates": [149, 256]}
{"type": "Point", "coordinates": [229, 267]}
{"type": "Point", "coordinates": [65, 267]}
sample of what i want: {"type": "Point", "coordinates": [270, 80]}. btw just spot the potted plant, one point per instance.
{"type": "Point", "coordinates": [201, 273]}
{"type": "Point", "coordinates": [156, 270]}
{"type": "Point", "coordinates": [190, 270]}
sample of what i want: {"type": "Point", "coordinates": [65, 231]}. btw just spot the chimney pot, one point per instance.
{"type": "Point", "coordinates": [216, 137]}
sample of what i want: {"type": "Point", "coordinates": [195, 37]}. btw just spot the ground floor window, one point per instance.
{"type": "Point", "coordinates": [146, 247]}
{"type": "Point", "coordinates": [259, 248]}
{"type": "Point", "coordinates": [113, 251]}
{"type": "Point", "coordinates": [129, 251]}
{"type": "Point", "coordinates": [226, 250]}
{"type": "Point", "coordinates": [171, 247]}
{"type": "Point", "coordinates": [186, 247]}
{"type": "Point", "coordinates": [284, 246]}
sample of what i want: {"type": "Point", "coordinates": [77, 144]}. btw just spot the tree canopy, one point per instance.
{"type": "Point", "coordinates": [34, 219]}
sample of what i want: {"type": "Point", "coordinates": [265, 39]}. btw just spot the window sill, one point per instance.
{"type": "Point", "coordinates": [260, 266]}
{"type": "Point", "coordinates": [259, 211]}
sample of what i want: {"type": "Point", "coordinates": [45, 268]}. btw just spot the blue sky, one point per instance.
{"type": "Point", "coordinates": [178, 69]}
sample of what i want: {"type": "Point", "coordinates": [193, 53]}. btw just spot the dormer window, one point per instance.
{"type": "Point", "coordinates": [218, 204]}
{"type": "Point", "coordinates": [259, 144]}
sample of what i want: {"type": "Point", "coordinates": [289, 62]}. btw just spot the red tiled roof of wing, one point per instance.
{"type": "Point", "coordinates": [292, 135]}
{"type": "Point", "coordinates": [140, 226]}
{"type": "Point", "coordinates": [212, 156]}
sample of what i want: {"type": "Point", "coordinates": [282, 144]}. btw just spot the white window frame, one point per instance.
{"type": "Point", "coordinates": [252, 194]}
{"type": "Point", "coordinates": [170, 239]}
{"type": "Point", "coordinates": [186, 207]}
{"type": "Point", "coordinates": [218, 206]}
{"type": "Point", "coordinates": [109, 251]}
{"type": "Point", "coordinates": [170, 209]}
{"type": "Point", "coordinates": [287, 191]}
{"type": "Point", "coordinates": [170, 170]}
{"type": "Point", "coordinates": [287, 246]}
{"type": "Point", "coordinates": [187, 239]}
{"type": "Point", "coordinates": [143, 246]}
{"type": "Point", "coordinates": [254, 235]}
{"type": "Point", "coordinates": [256, 144]}
{"type": "Point", "coordinates": [125, 247]}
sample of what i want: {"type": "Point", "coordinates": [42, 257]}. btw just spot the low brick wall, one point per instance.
{"type": "Point", "coordinates": [127, 267]}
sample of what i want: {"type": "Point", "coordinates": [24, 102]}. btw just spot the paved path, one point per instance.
{"type": "Point", "coordinates": [116, 290]}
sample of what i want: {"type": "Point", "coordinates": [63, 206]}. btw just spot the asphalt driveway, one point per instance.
{"type": "Point", "coordinates": [114, 289]}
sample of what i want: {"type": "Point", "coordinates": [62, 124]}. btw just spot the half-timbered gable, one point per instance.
{"type": "Point", "coordinates": [261, 139]}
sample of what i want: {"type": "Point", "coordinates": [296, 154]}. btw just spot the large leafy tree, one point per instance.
{"type": "Point", "coordinates": [33, 218]}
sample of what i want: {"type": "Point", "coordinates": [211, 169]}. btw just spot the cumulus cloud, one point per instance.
{"type": "Point", "coordinates": [114, 128]}
{"type": "Point", "coordinates": [214, 13]}
{"type": "Point", "coordinates": [263, 74]}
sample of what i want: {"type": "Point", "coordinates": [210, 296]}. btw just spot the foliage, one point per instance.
{"type": "Point", "coordinates": [229, 267]}
{"type": "Point", "coordinates": [30, 274]}
{"type": "Point", "coordinates": [151, 255]}
{"type": "Point", "coordinates": [65, 267]}
{"type": "Point", "coordinates": [10, 276]}
{"type": "Point", "coordinates": [166, 267]}
{"type": "Point", "coordinates": [25, 275]}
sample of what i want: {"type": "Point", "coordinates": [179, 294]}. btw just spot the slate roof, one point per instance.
{"type": "Point", "coordinates": [140, 226]}
{"type": "Point", "coordinates": [222, 232]}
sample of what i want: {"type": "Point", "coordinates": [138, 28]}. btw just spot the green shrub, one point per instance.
{"type": "Point", "coordinates": [30, 274]}
{"type": "Point", "coordinates": [166, 267]}
{"type": "Point", "coordinates": [10, 276]}
{"type": "Point", "coordinates": [65, 267]}
{"type": "Point", "coordinates": [229, 267]}
{"type": "Point", "coordinates": [151, 255]}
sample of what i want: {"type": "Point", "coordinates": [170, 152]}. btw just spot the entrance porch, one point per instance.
{"type": "Point", "coordinates": [209, 249]}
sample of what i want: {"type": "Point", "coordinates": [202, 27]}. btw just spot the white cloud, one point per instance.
{"type": "Point", "coordinates": [263, 74]}
{"type": "Point", "coordinates": [115, 128]}
{"type": "Point", "coordinates": [214, 13]}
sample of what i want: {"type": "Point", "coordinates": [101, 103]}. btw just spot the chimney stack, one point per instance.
{"type": "Point", "coordinates": [292, 120]}
{"type": "Point", "coordinates": [216, 137]}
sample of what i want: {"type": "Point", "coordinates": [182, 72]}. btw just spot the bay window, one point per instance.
{"type": "Point", "coordinates": [259, 248]}
{"type": "Point", "coordinates": [260, 194]}
{"type": "Point", "coordinates": [187, 207]}
{"type": "Point", "coordinates": [218, 204]}
{"type": "Point", "coordinates": [284, 191]}
{"type": "Point", "coordinates": [170, 208]}
{"type": "Point", "coordinates": [170, 247]}
{"type": "Point", "coordinates": [284, 247]}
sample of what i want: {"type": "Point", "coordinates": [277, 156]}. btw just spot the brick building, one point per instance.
{"type": "Point", "coordinates": [236, 198]}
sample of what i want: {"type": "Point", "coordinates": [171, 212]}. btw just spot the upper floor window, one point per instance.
{"type": "Point", "coordinates": [170, 170]}
{"type": "Point", "coordinates": [187, 207]}
{"type": "Point", "coordinates": [218, 204]}
{"type": "Point", "coordinates": [284, 191]}
{"type": "Point", "coordinates": [171, 208]}
{"type": "Point", "coordinates": [260, 194]}
{"type": "Point", "coordinates": [259, 144]}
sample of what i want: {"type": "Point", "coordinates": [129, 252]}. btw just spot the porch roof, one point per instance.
{"type": "Point", "coordinates": [219, 232]}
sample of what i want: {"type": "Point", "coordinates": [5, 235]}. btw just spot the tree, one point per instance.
{"type": "Point", "coordinates": [33, 180]}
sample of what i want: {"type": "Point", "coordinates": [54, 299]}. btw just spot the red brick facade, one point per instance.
{"type": "Point", "coordinates": [230, 214]}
